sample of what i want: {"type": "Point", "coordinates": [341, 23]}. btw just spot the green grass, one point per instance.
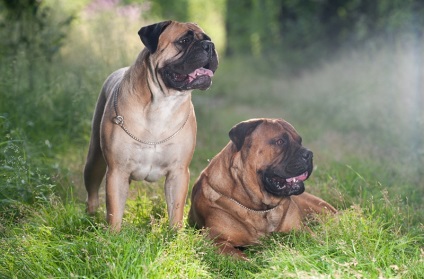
{"type": "Point", "coordinates": [357, 113]}
{"type": "Point", "coordinates": [60, 241]}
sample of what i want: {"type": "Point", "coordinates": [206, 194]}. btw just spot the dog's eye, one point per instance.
{"type": "Point", "coordinates": [279, 142]}
{"type": "Point", "coordinates": [184, 41]}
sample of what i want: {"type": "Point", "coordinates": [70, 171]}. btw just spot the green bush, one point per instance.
{"type": "Point", "coordinates": [22, 183]}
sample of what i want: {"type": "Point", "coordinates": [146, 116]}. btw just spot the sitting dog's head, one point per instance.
{"type": "Point", "coordinates": [273, 149]}
{"type": "Point", "coordinates": [181, 53]}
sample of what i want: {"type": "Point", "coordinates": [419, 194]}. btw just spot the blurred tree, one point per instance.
{"type": "Point", "coordinates": [28, 28]}
{"type": "Point", "coordinates": [171, 9]}
{"type": "Point", "coordinates": [255, 27]}
{"type": "Point", "coordinates": [251, 26]}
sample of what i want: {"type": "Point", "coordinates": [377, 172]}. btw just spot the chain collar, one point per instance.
{"type": "Point", "coordinates": [245, 207]}
{"type": "Point", "coordinates": [119, 120]}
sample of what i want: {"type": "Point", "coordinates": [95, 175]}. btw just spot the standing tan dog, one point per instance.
{"type": "Point", "coordinates": [254, 186]}
{"type": "Point", "coordinates": [144, 126]}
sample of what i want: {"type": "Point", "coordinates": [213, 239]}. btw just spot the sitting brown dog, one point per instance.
{"type": "Point", "coordinates": [254, 186]}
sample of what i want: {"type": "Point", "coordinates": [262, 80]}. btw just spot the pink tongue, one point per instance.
{"type": "Point", "coordinates": [200, 72]}
{"type": "Point", "coordinates": [301, 177]}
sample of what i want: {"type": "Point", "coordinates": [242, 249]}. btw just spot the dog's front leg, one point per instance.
{"type": "Point", "coordinates": [117, 184]}
{"type": "Point", "coordinates": [176, 187]}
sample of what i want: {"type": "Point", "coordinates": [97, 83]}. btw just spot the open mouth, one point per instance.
{"type": "Point", "coordinates": [193, 70]}
{"type": "Point", "coordinates": [189, 78]}
{"type": "Point", "coordinates": [280, 186]}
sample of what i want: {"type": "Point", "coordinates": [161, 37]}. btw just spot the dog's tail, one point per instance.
{"type": "Point", "coordinates": [95, 166]}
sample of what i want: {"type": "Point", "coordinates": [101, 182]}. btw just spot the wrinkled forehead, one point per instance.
{"type": "Point", "coordinates": [177, 30]}
{"type": "Point", "coordinates": [277, 128]}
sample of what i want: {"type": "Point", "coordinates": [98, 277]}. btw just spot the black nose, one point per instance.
{"type": "Point", "coordinates": [307, 155]}
{"type": "Point", "coordinates": [207, 45]}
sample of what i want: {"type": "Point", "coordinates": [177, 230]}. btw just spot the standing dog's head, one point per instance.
{"type": "Point", "coordinates": [182, 54]}
{"type": "Point", "coordinates": [273, 150]}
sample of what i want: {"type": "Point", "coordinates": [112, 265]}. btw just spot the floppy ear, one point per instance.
{"type": "Point", "coordinates": [240, 131]}
{"type": "Point", "coordinates": [149, 35]}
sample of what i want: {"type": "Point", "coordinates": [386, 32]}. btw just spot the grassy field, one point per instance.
{"type": "Point", "coordinates": [360, 113]}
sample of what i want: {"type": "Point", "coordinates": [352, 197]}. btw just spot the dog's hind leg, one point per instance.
{"type": "Point", "coordinates": [95, 166]}
{"type": "Point", "coordinates": [94, 171]}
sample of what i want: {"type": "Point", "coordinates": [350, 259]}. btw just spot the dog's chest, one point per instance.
{"type": "Point", "coordinates": [265, 223]}
{"type": "Point", "coordinates": [260, 224]}
{"type": "Point", "coordinates": [272, 221]}
{"type": "Point", "coordinates": [150, 162]}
